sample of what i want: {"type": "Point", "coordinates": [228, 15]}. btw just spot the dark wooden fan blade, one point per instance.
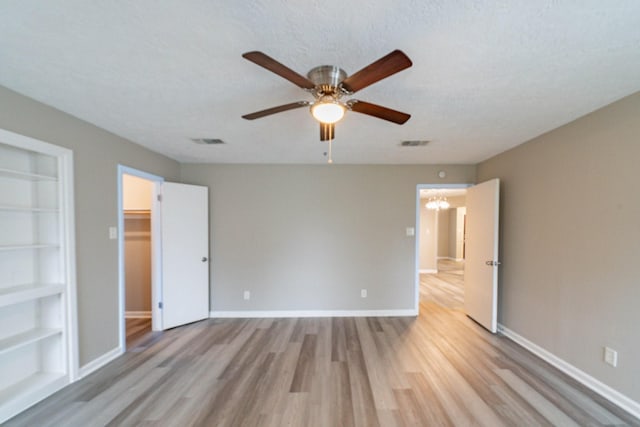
{"type": "Point", "coordinates": [382, 68]}
{"type": "Point", "coordinates": [274, 110]}
{"type": "Point", "coordinates": [378, 111]}
{"type": "Point", "coordinates": [327, 131]}
{"type": "Point", "coordinates": [275, 67]}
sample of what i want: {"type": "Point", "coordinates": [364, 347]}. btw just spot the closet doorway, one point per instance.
{"type": "Point", "coordinates": [139, 254]}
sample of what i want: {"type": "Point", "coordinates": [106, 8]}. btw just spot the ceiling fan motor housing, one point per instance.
{"type": "Point", "coordinates": [327, 77]}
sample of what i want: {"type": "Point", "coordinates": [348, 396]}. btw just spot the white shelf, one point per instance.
{"type": "Point", "coordinates": [20, 340]}
{"type": "Point", "coordinates": [23, 247]}
{"type": "Point", "coordinates": [20, 396]}
{"type": "Point", "coordinates": [29, 176]}
{"type": "Point", "coordinates": [27, 292]}
{"type": "Point", "coordinates": [6, 208]}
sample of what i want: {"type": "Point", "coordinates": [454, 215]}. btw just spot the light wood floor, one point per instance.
{"type": "Point", "coordinates": [445, 288]}
{"type": "Point", "coordinates": [437, 369]}
{"type": "Point", "coordinates": [137, 329]}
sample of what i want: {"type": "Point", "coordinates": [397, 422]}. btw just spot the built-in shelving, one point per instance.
{"type": "Point", "coordinates": [30, 176]}
{"type": "Point", "coordinates": [23, 247]}
{"type": "Point", "coordinates": [31, 291]}
{"type": "Point", "coordinates": [37, 327]}
{"type": "Point", "coordinates": [25, 338]}
{"type": "Point", "coordinates": [4, 208]}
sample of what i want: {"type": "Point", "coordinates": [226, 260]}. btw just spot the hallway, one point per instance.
{"type": "Point", "coordinates": [445, 288]}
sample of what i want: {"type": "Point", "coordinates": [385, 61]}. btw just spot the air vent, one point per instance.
{"type": "Point", "coordinates": [414, 143]}
{"type": "Point", "coordinates": [208, 141]}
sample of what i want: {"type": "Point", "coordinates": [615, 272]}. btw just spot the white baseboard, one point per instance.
{"type": "Point", "coordinates": [99, 362]}
{"type": "Point", "coordinates": [137, 315]}
{"type": "Point", "coordinates": [451, 258]}
{"type": "Point", "coordinates": [599, 387]}
{"type": "Point", "coordinates": [255, 314]}
{"type": "Point", "coordinates": [428, 271]}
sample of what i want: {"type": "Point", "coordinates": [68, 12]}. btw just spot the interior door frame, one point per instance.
{"type": "Point", "coordinates": [156, 253]}
{"type": "Point", "coordinates": [418, 235]}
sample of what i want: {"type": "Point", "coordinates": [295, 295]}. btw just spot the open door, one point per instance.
{"type": "Point", "coordinates": [481, 253]}
{"type": "Point", "coordinates": [185, 254]}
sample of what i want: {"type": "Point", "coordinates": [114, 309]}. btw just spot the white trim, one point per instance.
{"type": "Point", "coordinates": [66, 168]}
{"type": "Point", "coordinates": [258, 314]}
{"type": "Point", "coordinates": [599, 387]}
{"type": "Point", "coordinates": [137, 314]}
{"type": "Point", "coordinates": [100, 361]}
{"type": "Point", "coordinates": [428, 271]}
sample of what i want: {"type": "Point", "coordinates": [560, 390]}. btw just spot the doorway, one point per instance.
{"type": "Point", "coordinates": [139, 254]}
{"type": "Point", "coordinates": [440, 244]}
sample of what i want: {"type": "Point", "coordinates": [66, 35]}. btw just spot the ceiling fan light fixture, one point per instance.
{"type": "Point", "coordinates": [327, 111]}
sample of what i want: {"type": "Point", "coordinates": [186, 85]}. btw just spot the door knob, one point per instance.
{"type": "Point", "coordinates": [204, 259]}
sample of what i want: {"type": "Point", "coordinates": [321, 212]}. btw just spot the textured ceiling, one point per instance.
{"type": "Point", "coordinates": [487, 75]}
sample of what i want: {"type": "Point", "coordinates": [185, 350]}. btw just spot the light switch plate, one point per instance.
{"type": "Point", "coordinates": [611, 356]}
{"type": "Point", "coordinates": [411, 231]}
{"type": "Point", "coordinates": [113, 233]}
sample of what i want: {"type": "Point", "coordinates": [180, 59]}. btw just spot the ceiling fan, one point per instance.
{"type": "Point", "coordinates": [328, 84]}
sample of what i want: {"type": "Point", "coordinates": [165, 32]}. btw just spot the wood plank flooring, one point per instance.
{"type": "Point", "coordinates": [136, 329]}
{"type": "Point", "coordinates": [445, 288]}
{"type": "Point", "coordinates": [439, 369]}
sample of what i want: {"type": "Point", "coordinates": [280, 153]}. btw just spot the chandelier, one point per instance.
{"type": "Point", "coordinates": [437, 203]}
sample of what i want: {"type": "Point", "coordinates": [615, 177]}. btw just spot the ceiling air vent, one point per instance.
{"type": "Point", "coordinates": [414, 143]}
{"type": "Point", "coordinates": [208, 141]}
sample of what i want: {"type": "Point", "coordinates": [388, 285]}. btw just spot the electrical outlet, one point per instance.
{"type": "Point", "coordinates": [363, 293]}
{"type": "Point", "coordinates": [247, 295]}
{"type": "Point", "coordinates": [611, 356]}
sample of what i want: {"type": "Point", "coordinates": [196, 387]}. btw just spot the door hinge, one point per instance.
{"type": "Point", "coordinates": [160, 304]}
{"type": "Point", "coordinates": [493, 263]}
{"type": "Point", "coordinates": [159, 197]}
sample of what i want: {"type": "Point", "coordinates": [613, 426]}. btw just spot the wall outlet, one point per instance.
{"type": "Point", "coordinates": [247, 295]}
{"type": "Point", "coordinates": [611, 356]}
{"type": "Point", "coordinates": [363, 293]}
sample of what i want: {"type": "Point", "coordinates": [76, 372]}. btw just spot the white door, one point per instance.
{"type": "Point", "coordinates": [185, 254]}
{"type": "Point", "coordinates": [481, 254]}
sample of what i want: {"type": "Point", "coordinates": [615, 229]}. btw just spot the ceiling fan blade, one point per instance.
{"type": "Point", "coordinates": [378, 111]}
{"type": "Point", "coordinates": [274, 110]}
{"type": "Point", "coordinates": [282, 70]}
{"type": "Point", "coordinates": [384, 67]}
{"type": "Point", "coordinates": [327, 131]}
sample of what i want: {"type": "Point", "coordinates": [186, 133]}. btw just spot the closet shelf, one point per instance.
{"type": "Point", "coordinates": [29, 176]}
{"type": "Point", "coordinates": [30, 291]}
{"type": "Point", "coordinates": [137, 214]}
{"type": "Point", "coordinates": [20, 340]}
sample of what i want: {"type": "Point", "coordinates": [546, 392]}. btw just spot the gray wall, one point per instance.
{"type": "Point", "coordinates": [444, 223]}
{"type": "Point", "coordinates": [570, 226]}
{"type": "Point", "coordinates": [310, 237]}
{"type": "Point", "coordinates": [427, 245]}
{"type": "Point", "coordinates": [96, 156]}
